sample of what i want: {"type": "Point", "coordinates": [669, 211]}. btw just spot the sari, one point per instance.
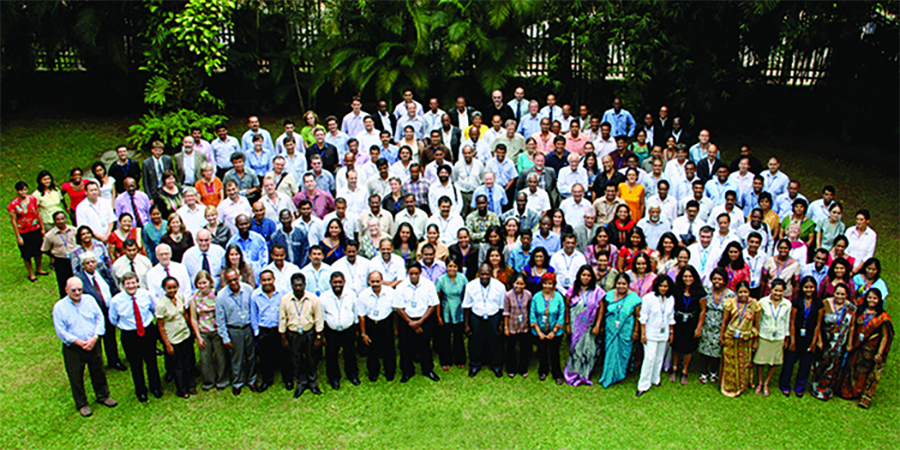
{"type": "Point", "coordinates": [585, 346]}
{"type": "Point", "coordinates": [836, 329]}
{"type": "Point", "coordinates": [332, 254]}
{"type": "Point", "coordinates": [737, 352]}
{"type": "Point", "coordinates": [620, 323]}
{"type": "Point", "coordinates": [861, 374]}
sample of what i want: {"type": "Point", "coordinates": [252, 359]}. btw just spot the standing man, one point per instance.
{"type": "Point", "coordinates": [483, 304]}
{"type": "Point", "coordinates": [376, 327]}
{"type": "Point", "coordinates": [551, 112]}
{"type": "Point", "coordinates": [95, 214]}
{"type": "Point", "coordinates": [97, 283]}
{"type": "Point", "coordinates": [187, 163]}
{"type": "Point", "coordinates": [621, 120]}
{"type": "Point", "coordinates": [153, 168]}
{"type": "Point", "coordinates": [59, 242]}
{"type": "Point", "coordinates": [264, 321]}
{"type": "Point", "coordinates": [415, 304]}
{"type": "Point", "coordinates": [461, 116]}
{"type": "Point", "coordinates": [497, 107]}
{"type": "Point", "coordinates": [79, 323]}
{"type": "Point", "coordinates": [383, 120]}
{"type": "Point", "coordinates": [203, 256]}
{"type": "Point", "coordinates": [519, 105]}
{"type": "Point", "coordinates": [255, 130]}
{"type": "Point", "coordinates": [566, 263]}
{"type": "Point", "coordinates": [251, 243]}
{"type": "Point", "coordinates": [294, 239]}
{"type": "Point", "coordinates": [300, 322]}
{"type": "Point", "coordinates": [223, 148]}
{"type": "Point", "coordinates": [402, 108]}
{"type": "Point", "coordinates": [352, 123]}
{"type": "Point", "coordinates": [433, 116]}
{"type": "Point", "coordinates": [288, 124]}
{"type": "Point", "coordinates": [134, 262]}
{"type": "Point", "coordinates": [132, 312]}
{"type": "Point", "coordinates": [530, 122]}
{"type": "Point", "coordinates": [233, 320]}
{"type": "Point", "coordinates": [340, 332]}
{"type": "Point", "coordinates": [134, 202]}
{"type": "Point", "coordinates": [124, 167]}
{"type": "Point", "coordinates": [327, 152]}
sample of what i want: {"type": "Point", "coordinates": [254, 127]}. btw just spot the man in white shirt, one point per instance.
{"type": "Point", "coordinates": [756, 225]}
{"type": "Point", "coordinates": [575, 207]}
{"type": "Point", "coordinates": [369, 136]}
{"type": "Point", "coordinates": [352, 123]}
{"type": "Point", "coordinates": [447, 221]}
{"type": "Point", "coordinates": [653, 224]}
{"type": "Point", "coordinates": [340, 332]}
{"type": "Point", "coordinates": [571, 175]}
{"type": "Point", "coordinates": [415, 304]}
{"type": "Point", "coordinates": [682, 188]}
{"type": "Point", "coordinates": [729, 208]}
{"type": "Point", "coordinates": [675, 167]}
{"type": "Point", "coordinates": [309, 223]}
{"type": "Point", "coordinates": [355, 196]}
{"type": "Point", "coordinates": [280, 148]}
{"type": "Point", "coordinates": [551, 111]}
{"type": "Point", "coordinates": [317, 273]}
{"type": "Point", "coordinates": [340, 140]}
{"type": "Point", "coordinates": [192, 213]}
{"type": "Point", "coordinates": [482, 146]}
{"type": "Point", "coordinates": [433, 116]}
{"type": "Point", "coordinates": [743, 177]}
{"type": "Point", "coordinates": [223, 148]}
{"type": "Point", "coordinates": [468, 174]}
{"type": "Point", "coordinates": [705, 203]}
{"type": "Point", "coordinates": [354, 267]}
{"type": "Point", "coordinates": [495, 130]}
{"type": "Point", "coordinates": [167, 268]}
{"type": "Point", "coordinates": [376, 327]}
{"type": "Point", "coordinates": [247, 138]}
{"type": "Point", "coordinates": [402, 108]}
{"type": "Point", "coordinates": [415, 217]}
{"type": "Point", "coordinates": [275, 201]}
{"type": "Point", "coordinates": [348, 221]}
{"type": "Point", "coordinates": [95, 214]}
{"type": "Point", "coordinates": [204, 256]}
{"type": "Point", "coordinates": [818, 209]}
{"type": "Point", "coordinates": [687, 227]}
{"type": "Point", "coordinates": [294, 164]}
{"type": "Point", "coordinates": [350, 159]}
{"type": "Point", "coordinates": [132, 261]}
{"type": "Point", "coordinates": [391, 266]}
{"type": "Point", "coordinates": [756, 259]}
{"type": "Point", "coordinates": [411, 118]}
{"type": "Point", "coordinates": [444, 188]}
{"type": "Point", "coordinates": [566, 263]}
{"type": "Point", "coordinates": [519, 105]}
{"type": "Point", "coordinates": [605, 144]}
{"type": "Point", "coordinates": [861, 240]}
{"type": "Point", "coordinates": [281, 268]}
{"type": "Point", "coordinates": [784, 203]}
{"type": "Point", "coordinates": [702, 257]}
{"type": "Point", "coordinates": [667, 203]}
{"type": "Point", "coordinates": [482, 305]}
{"type": "Point", "coordinates": [723, 236]}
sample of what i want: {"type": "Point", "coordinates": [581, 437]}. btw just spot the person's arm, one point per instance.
{"type": "Point", "coordinates": [467, 313]}
{"type": "Point", "coordinates": [793, 331]}
{"type": "Point", "coordinates": [222, 323]}
{"type": "Point", "coordinates": [161, 324]}
{"type": "Point", "coordinates": [193, 321]}
{"type": "Point", "coordinates": [819, 239]}
{"type": "Point", "coordinates": [817, 338]}
{"type": "Point", "coordinates": [601, 311]}
{"type": "Point", "coordinates": [362, 331]}
{"type": "Point", "coordinates": [726, 316]}
{"type": "Point", "coordinates": [15, 227]}
{"type": "Point", "coordinates": [441, 299]}
{"type": "Point", "coordinates": [699, 331]}
{"type": "Point", "coordinates": [567, 314]}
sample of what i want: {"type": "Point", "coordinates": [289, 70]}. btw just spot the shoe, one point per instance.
{"type": "Point", "coordinates": [433, 376]}
{"type": "Point", "coordinates": [142, 398]}
{"type": "Point", "coordinates": [335, 384]}
{"type": "Point", "coordinates": [758, 389]}
{"type": "Point", "coordinates": [373, 379]}
{"type": "Point", "coordinates": [445, 368]}
{"type": "Point", "coordinates": [315, 390]}
{"type": "Point", "coordinates": [511, 375]}
{"type": "Point", "coordinates": [525, 375]}
{"type": "Point", "coordinates": [542, 377]}
{"type": "Point", "coordinates": [405, 378]}
{"type": "Point", "coordinates": [289, 386]}
{"type": "Point", "coordinates": [684, 380]}
{"type": "Point", "coordinates": [498, 373]}
{"type": "Point", "coordinates": [34, 280]}
{"type": "Point", "coordinates": [639, 393]}
{"type": "Point", "coordinates": [252, 387]}
{"type": "Point", "coordinates": [157, 393]}
{"type": "Point", "coordinates": [355, 381]}
{"type": "Point", "coordinates": [473, 372]}
{"type": "Point", "coordinates": [119, 366]}
{"type": "Point", "coordinates": [236, 391]}
{"type": "Point", "coordinates": [42, 274]}
{"type": "Point", "coordinates": [109, 403]}
{"type": "Point", "coordinates": [786, 393]}
{"type": "Point", "coordinates": [389, 378]}
{"type": "Point", "coordinates": [220, 389]}
{"type": "Point", "coordinates": [262, 387]}
{"type": "Point", "coordinates": [672, 377]}
{"type": "Point", "coordinates": [299, 392]}
{"type": "Point", "coordinates": [559, 381]}
{"type": "Point", "coordinates": [461, 366]}
{"type": "Point", "coordinates": [766, 391]}
{"type": "Point", "coordinates": [185, 395]}
{"type": "Point", "coordinates": [205, 388]}
{"type": "Point", "coordinates": [799, 394]}
{"type": "Point", "coordinates": [714, 378]}
{"type": "Point", "coordinates": [703, 379]}
{"type": "Point", "coordinates": [85, 411]}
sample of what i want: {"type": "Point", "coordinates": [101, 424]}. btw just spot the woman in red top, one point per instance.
{"type": "Point", "coordinates": [126, 230]}
{"type": "Point", "coordinates": [619, 229]}
{"type": "Point", "coordinates": [733, 263]}
{"type": "Point", "coordinates": [74, 188]}
{"type": "Point", "coordinates": [29, 230]}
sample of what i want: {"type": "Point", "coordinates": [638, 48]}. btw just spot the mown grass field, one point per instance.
{"type": "Point", "coordinates": [37, 408]}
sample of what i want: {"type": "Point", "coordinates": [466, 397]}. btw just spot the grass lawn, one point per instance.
{"type": "Point", "coordinates": [38, 412]}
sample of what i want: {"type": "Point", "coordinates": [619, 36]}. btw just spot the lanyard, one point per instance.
{"type": "Point", "coordinates": [774, 313]}
{"type": "Point", "coordinates": [841, 314]}
{"type": "Point", "coordinates": [687, 301]}
{"type": "Point", "coordinates": [781, 268]}
{"type": "Point", "coordinates": [640, 284]}
{"type": "Point", "coordinates": [300, 308]}
{"type": "Point", "coordinates": [742, 312]}
{"type": "Point", "coordinates": [485, 291]}
{"type": "Point", "coordinates": [866, 319]}
{"type": "Point", "coordinates": [806, 312]}
{"type": "Point", "coordinates": [518, 302]}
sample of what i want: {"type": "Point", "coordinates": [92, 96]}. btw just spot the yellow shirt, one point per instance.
{"type": "Point", "coordinates": [633, 197]}
{"type": "Point", "coordinates": [300, 315]}
{"type": "Point", "coordinates": [173, 315]}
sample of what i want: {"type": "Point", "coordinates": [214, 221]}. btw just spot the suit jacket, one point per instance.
{"type": "Point", "coordinates": [151, 183]}
{"type": "Point", "coordinates": [455, 140]}
{"type": "Point", "coordinates": [88, 288]}
{"type": "Point", "coordinates": [378, 126]}
{"type": "Point", "coordinates": [705, 172]}
{"type": "Point", "coordinates": [179, 165]}
{"type": "Point", "coordinates": [454, 115]}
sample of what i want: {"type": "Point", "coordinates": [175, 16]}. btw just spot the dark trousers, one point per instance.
{"type": "Point", "coordinates": [382, 350]}
{"type": "Point", "coordinates": [272, 355]}
{"type": "Point", "coordinates": [63, 269]}
{"type": "Point", "coordinates": [75, 359]}
{"type": "Point", "coordinates": [548, 357]}
{"type": "Point", "coordinates": [335, 341]}
{"type": "Point", "coordinates": [416, 345]}
{"type": "Point", "coordinates": [110, 346]}
{"type": "Point", "coordinates": [804, 357]}
{"type": "Point", "coordinates": [450, 345]}
{"type": "Point", "coordinates": [517, 361]}
{"type": "Point", "coordinates": [141, 351]}
{"type": "Point", "coordinates": [485, 347]}
{"type": "Point", "coordinates": [182, 364]}
{"type": "Point", "coordinates": [301, 355]}
{"type": "Point", "coordinates": [243, 356]}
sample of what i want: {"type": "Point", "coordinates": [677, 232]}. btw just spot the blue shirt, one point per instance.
{"type": "Point", "coordinates": [391, 153]}
{"type": "Point", "coordinates": [620, 123]}
{"type": "Point", "coordinates": [247, 140]}
{"type": "Point", "coordinates": [296, 242]}
{"type": "Point", "coordinates": [223, 151]}
{"type": "Point", "coordinates": [547, 314]}
{"type": "Point", "coordinates": [697, 153]}
{"type": "Point", "coordinates": [261, 163]}
{"type": "Point", "coordinates": [716, 190]}
{"type": "Point", "coordinates": [193, 261]}
{"type": "Point", "coordinates": [529, 125]}
{"type": "Point", "coordinates": [265, 229]}
{"type": "Point", "coordinates": [775, 184]}
{"type": "Point", "coordinates": [318, 281]}
{"type": "Point", "coordinates": [340, 143]}
{"type": "Point", "coordinates": [254, 248]}
{"type": "Point", "coordinates": [121, 310]}
{"type": "Point", "coordinates": [551, 243]}
{"type": "Point", "coordinates": [324, 181]}
{"type": "Point", "coordinates": [503, 172]}
{"type": "Point", "coordinates": [750, 201]}
{"type": "Point", "coordinates": [496, 198]}
{"type": "Point", "coordinates": [810, 270]}
{"type": "Point", "coordinates": [73, 321]}
{"type": "Point", "coordinates": [784, 206]}
{"type": "Point", "coordinates": [265, 309]}
{"type": "Point", "coordinates": [233, 309]}
{"type": "Point", "coordinates": [518, 258]}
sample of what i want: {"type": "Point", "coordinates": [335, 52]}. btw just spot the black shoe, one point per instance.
{"type": "Point", "coordinates": [433, 376]}
{"type": "Point", "coordinates": [498, 373]}
{"type": "Point", "coordinates": [157, 393]}
{"type": "Point", "coordinates": [236, 391]}
{"type": "Point", "coordinates": [389, 378]}
{"type": "Point", "coordinates": [405, 378]}
{"type": "Point", "coordinates": [373, 379]}
{"type": "Point", "coordinates": [252, 387]}
{"type": "Point", "coordinates": [335, 384]}
{"type": "Point", "coordinates": [315, 390]}
{"type": "Point", "coordinates": [142, 398]}
{"type": "Point", "coordinates": [473, 372]}
{"type": "Point", "coordinates": [262, 387]}
{"type": "Point", "coordinates": [289, 386]}
{"type": "Point", "coordinates": [299, 392]}
{"type": "Point", "coordinates": [354, 381]}
{"type": "Point", "coordinates": [119, 366]}
{"type": "Point", "coordinates": [220, 389]}
{"type": "Point", "coordinates": [639, 393]}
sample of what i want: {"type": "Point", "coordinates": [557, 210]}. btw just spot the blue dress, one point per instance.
{"type": "Point", "coordinates": [620, 323]}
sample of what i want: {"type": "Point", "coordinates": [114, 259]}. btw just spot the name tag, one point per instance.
{"type": "Point", "coordinates": [618, 323]}
{"type": "Point", "coordinates": [662, 330]}
{"type": "Point", "coordinates": [413, 305]}
{"type": "Point", "coordinates": [521, 318]}
{"type": "Point", "coordinates": [485, 317]}
{"type": "Point", "coordinates": [737, 334]}
{"type": "Point", "coordinates": [862, 337]}
{"type": "Point", "coordinates": [803, 332]}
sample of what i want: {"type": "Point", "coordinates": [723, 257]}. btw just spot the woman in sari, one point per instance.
{"type": "Point", "coordinates": [124, 232]}
{"type": "Point", "coordinates": [547, 315]}
{"type": "Point", "coordinates": [869, 278]}
{"type": "Point", "coordinates": [657, 320]}
{"type": "Point", "coordinates": [622, 308]}
{"type": "Point", "coordinates": [869, 350]}
{"type": "Point", "coordinates": [641, 276]}
{"type": "Point", "coordinates": [636, 244]}
{"type": "Point", "coordinates": [739, 339]}
{"type": "Point", "coordinates": [839, 273]}
{"type": "Point", "coordinates": [500, 270]}
{"type": "Point", "coordinates": [837, 329]}
{"type": "Point", "coordinates": [690, 312]}
{"type": "Point", "coordinates": [585, 307]}
{"type": "Point", "coordinates": [770, 217]}
{"type": "Point", "coordinates": [606, 275]}
{"type": "Point", "coordinates": [710, 346]}
{"type": "Point", "coordinates": [334, 242]}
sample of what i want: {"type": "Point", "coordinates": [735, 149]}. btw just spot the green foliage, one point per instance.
{"type": "Point", "coordinates": [171, 127]}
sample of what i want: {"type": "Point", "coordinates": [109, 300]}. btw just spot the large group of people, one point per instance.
{"type": "Point", "coordinates": [516, 228]}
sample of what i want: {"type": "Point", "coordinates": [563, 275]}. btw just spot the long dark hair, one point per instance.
{"type": "Point", "coordinates": [577, 287]}
{"type": "Point", "coordinates": [503, 265]}
{"type": "Point", "coordinates": [671, 236]}
{"type": "Point", "coordinates": [804, 281]}
{"type": "Point", "coordinates": [872, 261]}
{"type": "Point", "coordinates": [847, 270]}
{"type": "Point", "coordinates": [413, 241]}
{"type": "Point", "coordinates": [80, 230]}
{"type": "Point", "coordinates": [696, 289]}
{"type": "Point", "coordinates": [725, 261]}
{"type": "Point", "coordinates": [40, 186]}
{"type": "Point", "coordinates": [542, 251]}
{"type": "Point", "coordinates": [242, 264]}
{"type": "Point", "coordinates": [659, 281]}
{"type": "Point", "coordinates": [879, 307]}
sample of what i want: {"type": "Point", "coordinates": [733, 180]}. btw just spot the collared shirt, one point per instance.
{"type": "Point", "coordinates": [229, 210]}
{"type": "Point", "coordinates": [482, 149]}
{"type": "Point", "coordinates": [265, 309]}
{"type": "Point", "coordinates": [569, 178]}
{"type": "Point", "coordinates": [736, 216]}
{"type": "Point", "coordinates": [385, 221]}
{"type": "Point", "coordinates": [315, 229]}
{"type": "Point", "coordinates": [518, 258]}
{"type": "Point", "coordinates": [756, 264]}
{"type": "Point", "coordinates": [97, 216]}
{"type": "Point", "coordinates": [576, 144]}
{"type": "Point", "coordinates": [553, 113]}
{"type": "Point", "coordinates": [810, 270]}
{"type": "Point", "coordinates": [527, 220]}
{"type": "Point", "coordinates": [418, 124]}
{"type": "Point", "coordinates": [300, 315]}
{"type": "Point", "coordinates": [529, 125]}
{"type": "Point", "coordinates": [437, 191]}
{"type": "Point", "coordinates": [860, 246]}
{"type": "Point", "coordinates": [478, 224]}
{"type": "Point", "coordinates": [340, 143]}
{"type": "Point", "coordinates": [703, 259]}
{"type": "Point", "coordinates": [715, 190]}
{"type": "Point", "coordinates": [774, 321]}
{"type": "Point", "coordinates": [247, 140]}
{"type": "Point", "coordinates": [744, 232]}
{"type": "Point", "coordinates": [432, 120]}
{"type": "Point", "coordinates": [504, 172]}
{"type": "Point", "coordinates": [322, 202]}
{"type": "Point", "coordinates": [484, 301]}
{"type": "Point", "coordinates": [141, 202]}
{"type": "Point", "coordinates": [430, 175]}
{"type": "Point", "coordinates": [274, 207]}
{"type": "Point", "coordinates": [352, 123]}
{"type": "Point", "coordinates": [718, 244]}
{"type": "Point", "coordinates": [620, 122]}
{"type": "Point", "coordinates": [418, 221]}
{"type": "Point", "coordinates": [551, 243]}
{"type": "Point", "coordinates": [415, 299]}
{"type": "Point", "coordinates": [784, 204]}
{"type": "Point", "coordinates": [356, 275]}
{"type": "Point", "coordinates": [193, 219]}
{"type": "Point", "coordinates": [682, 226]}
{"type": "Point", "coordinates": [140, 266]}
{"type": "Point", "coordinates": [574, 212]}
{"type": "Point", "coordinates": [434, 271]}
{"type": "Point", "coordinates": [496, 198]}
{"type": "Point", "coordinates": [158, 273]}
{"type": "Point", "coordinates": [775, 184]}
{"type": "Point", "coordinates": [467, 177]}
{"type": "Point", "coordinates": [391, 270]}
{"type": "Point", "coordinates": [653, 231]}
{"type": "Point", "coordinates": [296, 242]}
{"type": "Point", "coordinates": [658, 314]}
{"type": "Point", "coordinates": [254, 248]}
{"type": "Point", "coordinates": [73, 321]}
{"type": "Point", "coordinates": [668, 207]}
{"type": "Point", "coordinates": [350, 222]}
{"type": "Point", "coordinates": [60, 243]}
{"type": "Point", "coordinates": [96, 278]}
{"type": "Point", "coordinates": [193, 261]}
{"type": "Point", "coordinates": [222, 151]}
{"type": "Point", "coordinates": [818, 210]}
{"type": "Point", "coordinates": [296, 166]}
{"type": "Point", "coordinates": [448, 227]}
{"type": "Point", "coordinates": [706, 206]}
{"type": "Point", "coordinates": [514, 145]}
{"type": "Point", "coordinates": [265, 229]}
{"type": "Point", "coordinates": [318, 281]}
{"type": "Point", "coordinates": [377, 185]}
{"type": "Point", "coordinates": [324, 181]}
{"type": "Point", "coordinates": [357, 200]}
{"type": "Point", "coordinates": [171, 311]}
{"type": "Point", "coordinates": [566, 267]}
{"type": "Point", "coordinates": [121, 310]}
{"type": "Point", "coordinates": [538, 200]}
{"type": "Point", "coordinates": [262, 162]}
{"type": "Point", "coordinates": [750, 201]}
{"type": "Point", "coordinates": [233, 309]}
{"type": "Point", "coordinates": [376, 306]}
{"type": "Point", "coordinates": [419, 189]}
{"type": "Point", "coordinates": [606, 210]}
{"type": "Point", "coordinates": [282, 276]}
{"type": "Point", "coordinates": [697, 153]}
{"type": "Point", "coordinates": [367, 140]}
{"type": "Point", "coordinates": [299, 144]}
{"type": "Point", "coordinates": [247, 181]}
{"type": "Point", "coordinates": [338, 311]}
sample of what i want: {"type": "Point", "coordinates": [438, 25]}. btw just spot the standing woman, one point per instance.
{"type": "Point", "coordinates": [107, 183]}
{"type": "Point", "coordinates": [493, 237]}
{"type": "Point", "coordinates": [590, 163]}
{"type": "Point", "coordinates": [633, 193]}
{"type": "Point", "coordinates": [209, 186]}
{"type": "Point", "coordinates": [370, 239]}
{"type": "Point", "coordinates": [781, 267]}
{"type": "Point", "coordinates": [88, 243]}
{"type": "Point", "coordinates": [739, 338]}
{"type": "Point", "coordinates": [49, 198]}
{"type": "Point", "coordinates": [516, 327]}
{"type": "Point", "coordinates": [734, 265]}
{"type": "Point", "coordinates": [641, 276]}
{"type": "Point", "coordinates": [839, 273]}
{"type": "Point", "coordinates": [123, 232]}
{"type": "Point", "coordinates": [28, 229]}
{"type": "Point", "coordinates": [213, 358]}
{"type": "Point", "coordinates": [432, 236]}
{"type": "Point", "coordinates": [178, 237]}
{"type": "Point", "coordinates": [220, 232]}
{"type": "Point", "coordinates": [463, 250]}
{"type": "Point", "coordinates": [690, 313]}
{"type": "Point", "coordinates": [710, 346]}
{"type": "Point", "coordinates": [525, 160]}
{"type": "Point", "coordinates": [558, 222]}
{"type": "Point", "coordinates": [838, 251]}
{"type": "Point", "coordinates": [510, 236]}
{"type": "Point", "coordinates": [634, 245]}
{"type": "Point", "coordinates": [869, 278]}
{"type": "Point", "coordinates": [837, 330]}
{"type": "Point", "coordinates": [666, 252]}
{"type": "Point", "coordinates": [74, 188]}
{"type": "Point", "coordinates": [774, 334]}
{"type": "Point", "coordinates": [657, 321]}
{"type": "Point", "coordinates": [234, 259]}
{"type": "Point", "coordinates": [335, 241]}
{"type": "Point", "coordinates": [869, 349]}
{"type": "Point", "coordinates": [537, 267]}
{"type": "Point", "coordinates": [806, 323]}
{"type": "Point", "coordinates": [308, 130]}
{"type": "Point", "coordinates": [586, 308]}
{"type": "Point", "coordinates": [620, 228]}
{"type": "Point", "coordinates": [622, 309]}
{"type": "Point", "coordinates": [172, 318]}
{"type": "Point", "coordinates": [682, 258]}
{"type": "Point", "coordinates": [829, 228]}
{"type": "Point", "coordinates": [168, 199]}
{"type": "Point", "coordinates": [547, 315]}
{"type": "Point", "coordinates": [450, 287]}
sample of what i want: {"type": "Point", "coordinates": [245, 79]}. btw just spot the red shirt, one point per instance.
{"type": "Point", "coordinates": [75, 195]}
{"type": "Point", "coordinates": [26, 211]}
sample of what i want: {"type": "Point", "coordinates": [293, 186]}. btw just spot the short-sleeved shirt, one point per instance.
{"type": "Point", "coordinates": [516, 308]}
{"type": "Point", "coordinates": [206, 311]}
{"type": "Point", "coordinates": [173, 313]}
{"type": "Point", "coordinates": [451, 307]}
{"type": "Point", "coordinates": [27, 217]}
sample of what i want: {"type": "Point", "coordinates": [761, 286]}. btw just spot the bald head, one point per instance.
{"type": "Point", "coordinates": [73, 289]}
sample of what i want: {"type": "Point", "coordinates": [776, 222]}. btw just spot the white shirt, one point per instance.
{"type": "Point", "coordinates": [484, 301]}
{"type": "Point", "coordinates": [157, 274]}
{"type": "Point", "coordinates": [400, 171]}
{"type": "Point", "coordinates": [299, 145]}
{"type": "Point", "coordinates": [193, 219]}
{"type": "Point", "coordinates": [363, 172]}
{"type": "Point", "coordinates": [538, 201]}
{"type": "Point", "coordinates": [142, 265]}
{"type": "Point", "coordinates": [675, 170]}
{"type": "Point", "coordinates": [392, 270]}
{"type": "Point", "coordinates": [433, 120]}
{"type": "Point", "coordinates": [315, 229]}
{"type": "Point", "coordinates": [463, 119]}
{"type": "Point", "coordinates": [700, 255]}
{"type": "Point", "coordinates": [657, 314]}
{"type": "Point", "coordinates": [418, 221]}
{"type": "Point", "coordinates": [188, 161]}
{"type": "Point", "coordinates": [706, 206]}
{"type": "Point", "coordinates": [603, 148]}
{"type": "Point", "coordinates": [357, 201]}
{"type": "Point", "coordinates": [668, 207]}
{"type": "Point", "coordinates": [283, 276]}
{"type": "Point", "coordinates": [860, 246]}
{"type": "Point", "coordinates": [96, 216]}
{"type": "Point", "coordinates": [653, 231]}
{"type": "Point", "coordinates": [682, 226]}
{"type": "Point", "coordinates": [756, 264]}
{"type": "Point", "coordinates": [574, 212]}
{"type": "Point", "coordinates": [491, 134]}
{"type": "Point", "coordinates": [568, 178]}
{"type": "Point", "coordinates": [349, 222]}
{"type": "Point", "coordinates": [438, 190]}
{"type": "Point", "coordinates": [449, 228]}
{"type": "Point", "coordinates": [736, 216]}
{"type": "Point", "coordinates": [744, 231]}
{"type": "Point", "coordinates": [318, 281]}
{"type": "Point", "coordinates": [193, 262]}
{"type": "Point", "coordinates": [356, 275]}
{"type": "Point", "coordinates": [104, 286]}
{"type": "Point", "coordinates": [719, 243]}
{"type": "Point", "coordinates": [415, 299]}
{"type": "Point", "coordinates": [468, 177]}
{"type": "Point", "coordinates": [744, 182]}
{"type": "Point", "coordinates": [228, 211]}
{"type": "Point", "coordinates": [339, 314]}
{"type": "Point", "coordinates": [367, 140]}
{"type": "Point", "coordinates": [376, 306]}
{"type": "Point", "coordinates": [566, 267]}
{"type": "Point", "coordinates": [557, 114]}
{"type": "Point", "coordinates": [274, 207]}
{"type": "Point", "coordinates": [483, 150]}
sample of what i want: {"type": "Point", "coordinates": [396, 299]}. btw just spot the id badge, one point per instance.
{"type": "Point", "coordinates": [617, 324]}
{"type": "Point", "coordinates": [413, 305]}
{"type": "Point", "coordinates": [521, 318]}
{"type": "Point", "coordinates": [662, 330]}
{"type": "Point", "coordinates": [737, 334]}
{"type": "Point", "coordinates": [803, 332]}
{"type": "Point", "coordinates": [485, 317]}
{"type": "Point", "coordinates": [567, 282]}
{"type": "Point", "coordinates": [862, 337]}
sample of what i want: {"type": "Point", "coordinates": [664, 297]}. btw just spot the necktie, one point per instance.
{"type": "Point", "coordinates": [137, 217]}
{"type": "Point", "coordinates": [159, 171]}
{"type": "Point", "coordinates": [167, 272]}
{"type": "Point", "coordinates": [97, 289]}
{"type": "Point", "coordinates": [518, 109]}
{"type": "Point", "coordinates": [206, 263]}
{"type": "Point", "coordinates": [703, 254]}
{"type": "Point", "coordinates": [137, 317]}
{"type": "Point", "coordinates": [131, 263]}
{"type": "Point", "coordinates": [551, 115]}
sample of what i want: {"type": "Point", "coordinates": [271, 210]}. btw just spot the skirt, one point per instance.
{"type": "Point", "coordinates": [31, 244]}
{"type": "Point", "coordinates": [769, 352]}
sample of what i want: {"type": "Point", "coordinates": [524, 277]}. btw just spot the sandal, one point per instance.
{"type": "Point", "coordinates": [32, 280]}
{"type": "Point", "coordinates": [672, 377]}
{"type": "Point", "coordinates": [684, 380]}
{"type": "Point", "coordinates": [766, 391]}
{"type": "Point", "coordinates": [445, 367]}
{"type": "Point", "coordinates": [758, 390]}
{"type": "Point", "coordinates": [703, 379]}
{"type": "Point", "coordinates": [42, 274]}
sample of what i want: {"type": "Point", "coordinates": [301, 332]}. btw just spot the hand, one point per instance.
{"type": "Point", "coordinates": [506, 331]}
{"type": "Point", "coordinates": [755, 345]}
{"type": "Point", "coordinates": [879, 358]}
{"type": "Point", "coordinates": [419, 330]}
{"type": "Point", "coordinates": [20, 241]}
{"type": "Point", "coordinates": [793, 346]}
{"type": "Point", "coordinates": [634, 336]}
{"type": "Point", "coordinates": [228, 344]}
{"type": "Point", "coordinates": [671, 336]}
{"type": "Point", "coordinates": [721, 341]}
{"type": "Point", "coordinates": [169, 349]}
{"type": "Point", "coordinates": [644, 339]}
{"type": "Point", "coordinates": [819, 344]}
{"type": "Point", "coordinates": [284, 342]}
{"type": "Point", "coordinates": [698, 332]}
{"type": "Point", "coordinates": [201, 343]}
{"type": "Point", "coordinates": [89, 345]}
{"type": "Point", "coordinates": [468, 330]}
{"type": "Point", "coordinates": [440, 321]}
{"type": "Point", "coordinates": [786, 344]}
{"type": "Point", "coordinates": [367, 340]}
{"type": "Point", "coordinates": [319, 342]}
{"type": "Point", "coordinates": [568, 329]}
{"type": "Point", "coordinates": [323, 341]}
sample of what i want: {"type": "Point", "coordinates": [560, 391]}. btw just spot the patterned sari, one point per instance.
{"type": "Point", "coordinates": [585, 345]}
{"type": "Point", "coordinates": [737, 352]}
{"type": "Point", "coordinates": [860, 374]}
{"type": "Point", "coordinates": [620, 323]}
{"type": "Point", "coordinates": [836, 333]}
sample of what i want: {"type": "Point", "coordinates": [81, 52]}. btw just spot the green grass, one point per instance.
{"type": "Point", "coordinates": [37, 408]}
